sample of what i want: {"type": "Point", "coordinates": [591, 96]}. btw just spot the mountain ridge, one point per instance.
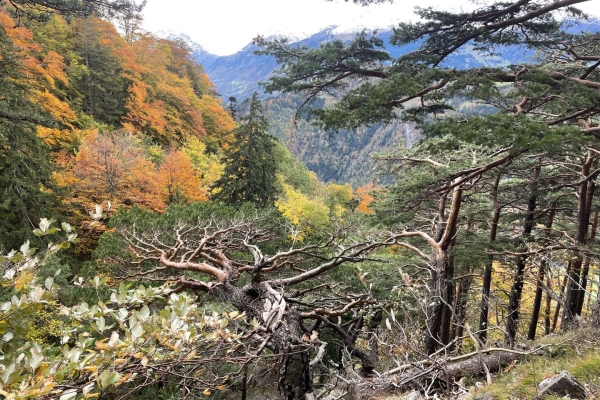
{"type": "Point", "coordinates": [238, 74]}
{"type": "Point", "coordinates": [346, 156]}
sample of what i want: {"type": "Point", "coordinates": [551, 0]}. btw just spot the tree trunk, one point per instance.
{"type": "Point", "coordinates": [586, 192]}
{"type": "Point", "coordinates": [547, 326]}
{"type": "Point", "coordinates": [436, 305]}
{"type": "Point", "coordinates": [561, 291]}
{"type": "Point", "coordinates": [441, 297]}
{"type": "Point", "coordinates": [294, 364]}
{"type": "Point", "coordinates": [422, 374]}
{"type": "Point", "coordinates": [487, 273]}
{"type": "Point", "coordinates": [448, 296]}
{"type": "Point", "coordinates": [596, 311]}
{"type": "Point", "coordinates": [512, 319]}
{"type": "Point", "coordinates": [537, 302]}
{"type": "Point", "coordinates": [460, 313]}
{"type": "Point", "coordinates": [586, 267]}
{"type": "Point", "coordinates": [441, 293]}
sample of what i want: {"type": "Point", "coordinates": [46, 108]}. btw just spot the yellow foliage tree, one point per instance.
{"type": "Point", "coordinates": [337, 198]}
{"type": "Point", "coordinates": [208, 166]}
{"type": "Point", "coordinates": [307, 214]}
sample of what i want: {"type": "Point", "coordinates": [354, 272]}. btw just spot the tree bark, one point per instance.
{"type": "Point", "coordinates": [547, 325]}
{"type": "Point", "coordinates": [586, 192]}
{"type": "Point", "coordinates": [294, 364]}
{"type": "Point", "coordinates": [460, 313]}
{"type": "Point", "coordinates": [422, 374]}
{"type": "Point", "coordinates": [561, 290]}
{"type": "Point", "coordinates": [596, 312]}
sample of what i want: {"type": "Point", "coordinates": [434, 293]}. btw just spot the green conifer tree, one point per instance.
{"type": "Point", "coordinates": [250, 171]}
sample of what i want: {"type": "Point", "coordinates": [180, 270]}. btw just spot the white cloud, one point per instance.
{"type": "Point", "coordinates": [225, 26]}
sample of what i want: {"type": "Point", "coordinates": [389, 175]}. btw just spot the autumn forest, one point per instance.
{"type": "Point", "coordinates": [158, 239]}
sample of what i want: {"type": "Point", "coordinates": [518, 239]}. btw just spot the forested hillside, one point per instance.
{"type": "Point", "coordinates": [100, 117]}
{"type": "Point", "coordinates": [157, 242]}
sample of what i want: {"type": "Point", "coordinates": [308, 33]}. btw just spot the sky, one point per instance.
{"type": "Point", "coordinates": [223, 27]}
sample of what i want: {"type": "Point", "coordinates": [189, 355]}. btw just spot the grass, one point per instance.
{"type": "Point", "coordinates": [577, 352]}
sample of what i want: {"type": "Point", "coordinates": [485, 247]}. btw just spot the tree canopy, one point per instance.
{"type": "Point", "coordinates": [547, 105]}
{"type": "Point", "coordinates": [41, 9]}
{"type": "Point", "coordinates": [420, 75]}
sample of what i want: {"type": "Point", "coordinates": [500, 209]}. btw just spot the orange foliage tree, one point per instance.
{"type": "Point", "coordinates": [43, 71]}
{"type": "Point", "coordinates": [178, 181]}
{"type": "Point", "coordinates": [112, 167]}
{"type": "Point", "coordinates": [162, 101]}
{"type": "Point", "coordinates": [364, 198]}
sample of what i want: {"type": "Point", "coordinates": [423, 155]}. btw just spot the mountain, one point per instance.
{"type": "Point", "coordinates": [197, 53]}
{"type": "Point", "coordinates": [238, 74]}
{"type": "Point", "coordinates": [201, 56]}
{"type": "Point", "coordinates": [346, 156]}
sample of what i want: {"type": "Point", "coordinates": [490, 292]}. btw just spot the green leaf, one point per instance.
{"type": "Point", "coordinates": [35, 360]}
{"type": "Point", "coordinates": [44, 224]}
{"type": "Point", "coordinates": [108, 378]}
{"type": "Point", "coordinates": [67, 228]}
{"type": "Point", "coordinates": [137, 330]}
{"type": "Point", "coordinates": [144, 313]}
{"type": "Point", "coordinates": [25, 248]}
{"type": "Point", "coordinates": [11, 374]}
{"type": "Point", "coordinates": [101, 324]}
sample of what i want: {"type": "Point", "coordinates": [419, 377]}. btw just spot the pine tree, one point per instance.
{"type": "Point", "coordinates": [250, 170]}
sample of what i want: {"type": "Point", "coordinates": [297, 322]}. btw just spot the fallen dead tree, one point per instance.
{"type": "Point", "coordinates": [440, 371]}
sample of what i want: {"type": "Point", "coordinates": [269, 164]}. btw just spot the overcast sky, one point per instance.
{"type": "Point", "coordinates": [225, 26]}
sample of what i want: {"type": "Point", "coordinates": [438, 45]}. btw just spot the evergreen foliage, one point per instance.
{"type": "Point", "coordinates": [103, 84]}
{"type": "Point", "coordinates": [41, 10]}
{"type": "Point", "coordinates": [250, 170]}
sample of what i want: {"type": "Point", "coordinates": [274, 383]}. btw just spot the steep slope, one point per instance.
{"type": "Point", "coordinates": [238, 74]}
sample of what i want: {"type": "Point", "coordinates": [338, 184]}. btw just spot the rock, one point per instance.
{"type": "Point", "coordinates": [465, 396]}
{"type": "Point", "coordinates": [412, 396]}
{"type": "Point", "coordinates": [562, 384]}
{"type": "Point", "coordinates": [484, 396]}
{"type": "Point", "coordinates": [353, 392]}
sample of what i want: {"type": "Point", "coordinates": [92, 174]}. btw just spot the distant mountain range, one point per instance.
{"type": "Point", "coordinates": [346, 157]}
{"type": "Point", "coordinates": [238, 74]}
